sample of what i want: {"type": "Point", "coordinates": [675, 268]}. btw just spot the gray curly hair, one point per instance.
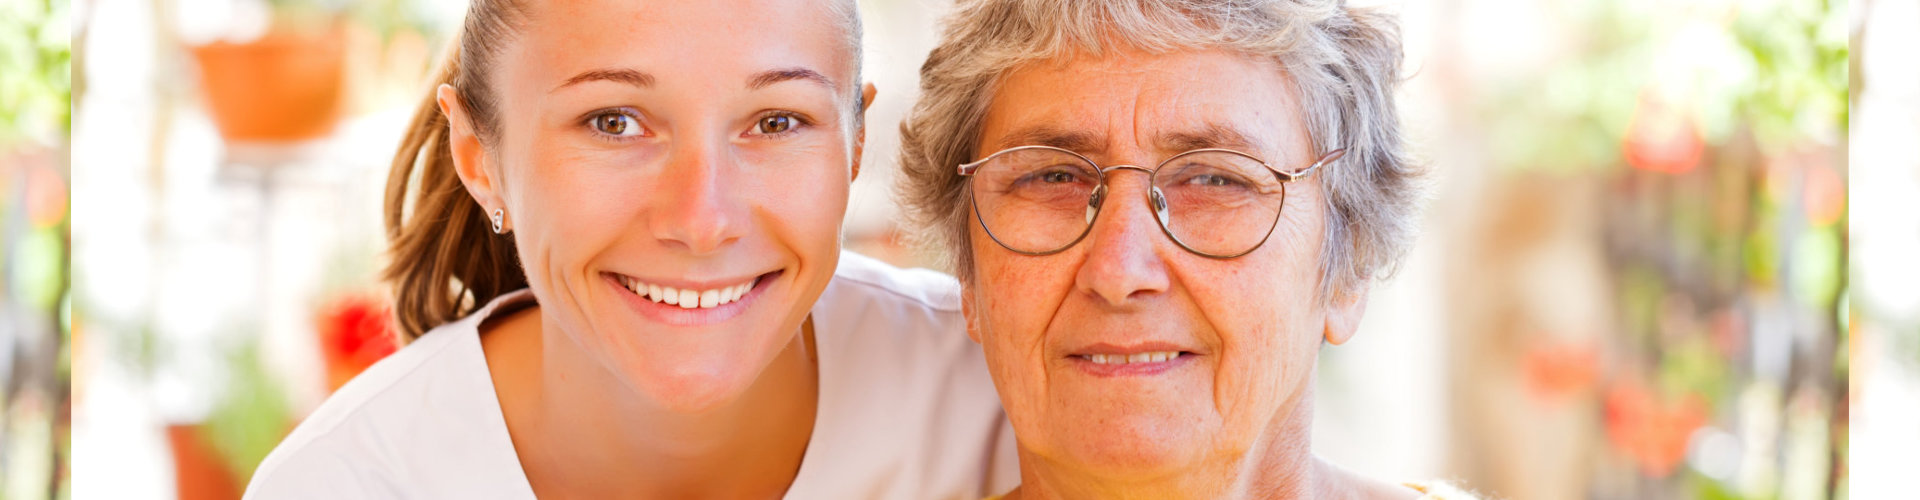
{"type": "Point", "coordinates": [1344, 61]}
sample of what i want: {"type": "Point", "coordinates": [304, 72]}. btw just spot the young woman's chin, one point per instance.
{"type": "Point", "coordinates": [703, 359]}
{"type": "Point", "coordinates": [694, 391]}
{"type": "Point", "coordinates": [691, 380]}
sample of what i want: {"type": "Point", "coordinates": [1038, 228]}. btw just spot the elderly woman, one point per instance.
{"type": "Point", "coordinates": [1159, 210]}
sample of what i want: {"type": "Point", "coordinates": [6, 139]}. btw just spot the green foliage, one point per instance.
{"type": "Point", "coordinates": [1775, 68]}
{"type": "Point", "coordinates": [35, 82]}
{"type": "Point", "coordinates": [252, 415]}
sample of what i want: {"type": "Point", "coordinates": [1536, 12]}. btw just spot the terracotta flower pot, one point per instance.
{"type": "Point", "coordinates": [285, 86]}
{"type": "Point", "coordinates": [199, 472]}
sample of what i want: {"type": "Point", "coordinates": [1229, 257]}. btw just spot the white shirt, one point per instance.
{"type": "Point", "coordinates": [906, 409]}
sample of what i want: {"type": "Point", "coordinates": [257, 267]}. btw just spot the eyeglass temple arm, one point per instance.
{"type": "Point", "coordinates": [1330, 157]}
{"type": "Point", "coordinates": [967, 169]}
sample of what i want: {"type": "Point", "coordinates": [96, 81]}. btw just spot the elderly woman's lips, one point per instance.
{"type": "Point", "coordinates": [1128, 351]}
{"type": "Point", "coordinates": [1136, 364]}
{"type": "Point", "coordinates": [1137, 359]}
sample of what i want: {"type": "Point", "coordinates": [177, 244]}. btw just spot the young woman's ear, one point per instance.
{"type": "Point", "coordinates": [469, 156]}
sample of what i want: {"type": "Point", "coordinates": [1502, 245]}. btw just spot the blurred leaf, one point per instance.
{"type": "Point", "coordinates": [35, 83]}
{"type": "Point", "coordinates": [38, 259]}
{"type": "Point", "coordinates": [252, 415]}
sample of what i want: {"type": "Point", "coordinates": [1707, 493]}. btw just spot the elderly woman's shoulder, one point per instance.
{"type": "Point", "coordinates": [1348, 484]}
{"type": "Point", "coordinates": [1441, 490]}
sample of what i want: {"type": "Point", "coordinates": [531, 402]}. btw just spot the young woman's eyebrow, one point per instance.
{"type": "Point", "coordinates": [642, 79]}
{"type": "Point", "coordinates": [628, 76]}
{"type": "Point", "coordinates": [769, 77]}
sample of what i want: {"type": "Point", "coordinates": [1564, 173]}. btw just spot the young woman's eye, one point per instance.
{"type": "Point", "coordinates": [776, 124]}
{"type": "Point", "coordinates": [615, 124]}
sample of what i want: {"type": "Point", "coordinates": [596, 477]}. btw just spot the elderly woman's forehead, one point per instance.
{"type": "Point", "coordinates": [1174, 101]}
{"type": "Point", "coordinates": [1094, 140]}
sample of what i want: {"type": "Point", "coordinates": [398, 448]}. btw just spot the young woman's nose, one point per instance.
{"type": "Point", "coordinates": [693, 210]}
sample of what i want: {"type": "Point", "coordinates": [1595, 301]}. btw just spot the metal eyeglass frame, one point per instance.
{"type": "Point", "coordinates": [1155, 199]}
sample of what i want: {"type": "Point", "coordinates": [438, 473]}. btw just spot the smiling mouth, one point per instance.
{"type": "Point", "coordinates": [688, 298]}
{"type": "Point", "coordinates": [1138, 357]}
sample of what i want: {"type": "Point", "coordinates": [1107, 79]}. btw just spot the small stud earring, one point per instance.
{"type": "Point", "coordinates": [499, 217]}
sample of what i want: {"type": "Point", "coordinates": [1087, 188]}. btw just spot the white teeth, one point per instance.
{"type": "Point", "coordinates": [687, 299]}
{"type": "Point", "coordinates": [1121, 359]}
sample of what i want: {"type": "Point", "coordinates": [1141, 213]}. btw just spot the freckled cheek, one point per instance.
{"type": "Point", "coordinates": [1021, 293]}
{"type": "Point", "coordinates": [1016, 305]}
{"type": "Point", "coordinates": [803, 210]}
{"type": "Point", "coordinates": [573, 209]}
{"type": "Point", "coordinates": [1260, 306]}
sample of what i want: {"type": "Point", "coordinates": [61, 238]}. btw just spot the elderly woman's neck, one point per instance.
{"type": "Point", "coordinates": [1280, 466]}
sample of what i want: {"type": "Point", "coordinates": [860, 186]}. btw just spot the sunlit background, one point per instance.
{"type": "Point", "coordinates": [1640, 275]}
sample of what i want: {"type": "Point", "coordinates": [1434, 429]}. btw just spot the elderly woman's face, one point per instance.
{"type": "Point", "coordinates": [1229, 344]}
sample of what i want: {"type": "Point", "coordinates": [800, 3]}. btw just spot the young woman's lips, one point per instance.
{"type": "Point", "coordinates": [710, 306]}
{"type": "Point", "coordinates": [1143, 360]}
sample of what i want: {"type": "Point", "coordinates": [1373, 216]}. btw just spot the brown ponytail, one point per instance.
{"type": "Point", "coordinates": [445, 259]}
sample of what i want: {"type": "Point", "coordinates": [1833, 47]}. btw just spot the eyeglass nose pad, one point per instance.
{"type": "Point", "coordinates": [1159, 205]}
{"type": "Point", "coordinates": [1093, 203]}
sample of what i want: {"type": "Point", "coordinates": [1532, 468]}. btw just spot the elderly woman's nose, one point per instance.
{"type": "Point", "coordinates": [690, 207]}
{"type": "Point", "coordinates": [1123, 248]}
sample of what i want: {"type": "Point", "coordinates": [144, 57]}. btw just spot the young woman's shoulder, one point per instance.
{"type": "Point", "coordinates": [424, 422]}
{"type": "Point", "coordinates": [907, 408]}
{"type": "Point", "coordinates": [911, 314]}
{"type": "Point", "coordinates": [863, 279]}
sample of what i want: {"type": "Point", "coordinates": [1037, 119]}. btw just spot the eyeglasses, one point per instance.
{"type": "Point", "coordinates": [1218, 203]}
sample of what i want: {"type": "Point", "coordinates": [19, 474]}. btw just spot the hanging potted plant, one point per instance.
{"type": "Point", "coordinates": [282, 85]}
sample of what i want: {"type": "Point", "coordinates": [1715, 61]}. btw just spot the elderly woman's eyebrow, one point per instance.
{"type": "Point", "coordinates": [769, 77]}
{"type": "Point", "coordinates": [1211, 136]}
{"type": "Point", "coordinates": [1085, 143]}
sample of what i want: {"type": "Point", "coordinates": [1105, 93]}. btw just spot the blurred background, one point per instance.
{"type": "Point", "coordinates": [1639, 277]}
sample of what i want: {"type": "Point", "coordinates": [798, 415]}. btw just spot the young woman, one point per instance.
{"type": "Point", "coordinates": [615, 237]}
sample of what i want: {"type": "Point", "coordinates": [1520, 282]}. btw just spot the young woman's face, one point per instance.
{"type": "Point", "coordinates": [675, 174]}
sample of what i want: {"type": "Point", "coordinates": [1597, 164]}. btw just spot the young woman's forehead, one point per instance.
{"type": "Point", "coordinates": [666, 38]}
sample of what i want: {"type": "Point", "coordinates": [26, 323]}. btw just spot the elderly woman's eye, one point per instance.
{"type": "Point", "coordinates": [1056, 177]}
{"type": "Point", "coordinates": [1051, 176]}
{"type": "Point", "coordinates": [1215, 181]}
{"type": "Point", "coordinates": [615, 124]}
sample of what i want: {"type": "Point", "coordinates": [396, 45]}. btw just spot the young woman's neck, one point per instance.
{"type": "Point", "coordinates": [580, 432]}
